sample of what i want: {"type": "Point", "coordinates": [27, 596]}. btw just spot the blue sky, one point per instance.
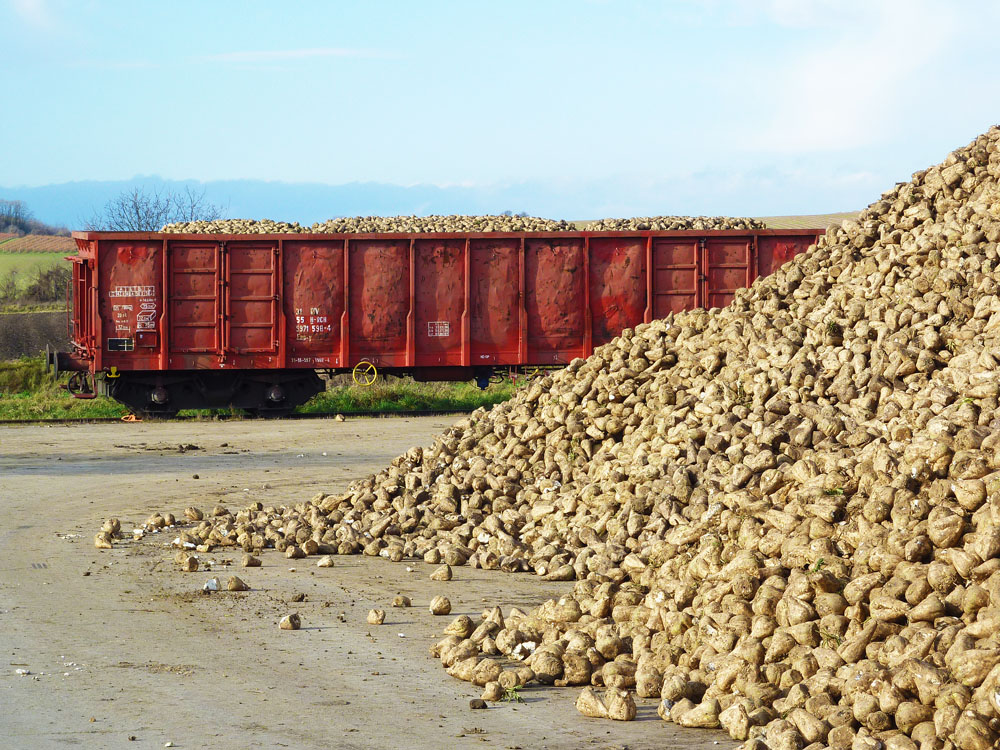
{"type": "Point", "coordinates": [722, 106]}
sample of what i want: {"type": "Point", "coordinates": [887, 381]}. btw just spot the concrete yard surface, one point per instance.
{"type": "Point", "coordinates": [123, 650]}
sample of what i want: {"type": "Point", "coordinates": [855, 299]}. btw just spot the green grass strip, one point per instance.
{"type": "Point", "coordinates": [28, 392]}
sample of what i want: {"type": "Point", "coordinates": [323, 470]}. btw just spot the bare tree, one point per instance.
{"type": "Point", "coordinates": [17, 218]}
{"type": "Point", "coordinates": [192, 206]}
{"type": "Point", "coordinates": [139, 210]}
{"type": "Point", "coordinates": [14, 216]}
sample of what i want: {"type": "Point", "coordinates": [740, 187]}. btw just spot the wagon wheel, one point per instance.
{"type": "Point", "coordinates": [365, 373]}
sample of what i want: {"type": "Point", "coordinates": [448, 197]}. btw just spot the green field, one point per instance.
{"type": "Point", "coordinates": [32, 281]}
{"type": "Point", "coordinates": [27, 265]}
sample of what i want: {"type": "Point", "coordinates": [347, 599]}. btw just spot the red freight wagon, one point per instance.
{"type": "Point", "coordinates": [163, 322]}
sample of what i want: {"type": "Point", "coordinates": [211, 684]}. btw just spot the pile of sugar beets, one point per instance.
{"type": "Point", "coordinates": [501, 223]}
{"type": "Point", "coordinates": [782, 517]}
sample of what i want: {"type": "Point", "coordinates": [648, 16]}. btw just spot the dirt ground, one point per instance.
{"type": "Point", "coordinates": [124, 650]}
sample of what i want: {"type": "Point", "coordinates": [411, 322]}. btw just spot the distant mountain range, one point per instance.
{"type": "Point", "coordinates": [71, 204]}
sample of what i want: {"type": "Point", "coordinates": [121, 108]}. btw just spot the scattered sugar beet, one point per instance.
{"type": "Point", "coordinates": [462, 626]}
{"type": "Point", "coordinates": [290, 622]}
{"type": "Point", "coordinates": [376, 616]}
{"type": "Point", "coordinates": [492, 692]}
{"type": "Point", "coordinates": [440, 606]}
{"type": "Point", "coordinates": [443, 573]}
{"type": "Point", "coordinates": [110, 531]}
{"type": "Point", "coordinates": [781, 517]}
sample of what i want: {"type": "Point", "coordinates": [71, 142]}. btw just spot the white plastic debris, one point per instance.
{"type": "Point", "coordinates": [22, 672]}
{"type": "Point", "coordinates": [523, 650]}
{"type": "Point", "coordinates": [213, 584]}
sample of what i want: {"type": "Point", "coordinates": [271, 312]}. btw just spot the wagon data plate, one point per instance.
{"type": "Point", "coordinates": [438, 328]}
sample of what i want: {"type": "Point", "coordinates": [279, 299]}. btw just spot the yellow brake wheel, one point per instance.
{"type": "Point", "coordinates": [365, 373]}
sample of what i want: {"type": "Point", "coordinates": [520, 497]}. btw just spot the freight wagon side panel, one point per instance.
{"type": "Point", "coordinates": [439, 301]}
{"type": "Point", "coordinates": [129, 302]}
{"type": "Point", "coordinates": [726, 266]}
{"type": "Point", "coordinates": [420, 302]}
{"type": "Point", "coordinates": [251, 303]}
{"type": "Point", "coordinates": [194, 310]}
{"type": "Point", "coordinates": [313, 297]}
{"type": "Point", "coordinates": [555, 289]}
{"type": "Point", "coordinates": [675, 275]}
{"type": "Point", "coordinates": [617, 286]}
{"type": "Point", "coordinates": [774, 251]}
{"type": "Point", "coordinates": [496, 302]}
{"type": "Point", "coordinates": [379, 301]}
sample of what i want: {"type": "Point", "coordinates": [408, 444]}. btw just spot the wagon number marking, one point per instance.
{"type": "Point", "coordinates": [438, 328]}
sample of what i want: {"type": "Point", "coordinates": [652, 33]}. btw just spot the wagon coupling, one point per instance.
{"type": "Point", "coordinates": [81, 385]}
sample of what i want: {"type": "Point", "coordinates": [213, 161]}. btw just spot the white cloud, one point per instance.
{"type": "Point", "coordinates": [835, 75]}
{"type": "Point", "coordinates": [850, 91]}
{"type": "Point", "coordinates": [264, 56]}
{"type": "Point", "coordinates": [34, 13]}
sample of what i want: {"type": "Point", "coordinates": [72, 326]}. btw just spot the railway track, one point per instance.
{"type": "Point", "coordinates": [227, 417]}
